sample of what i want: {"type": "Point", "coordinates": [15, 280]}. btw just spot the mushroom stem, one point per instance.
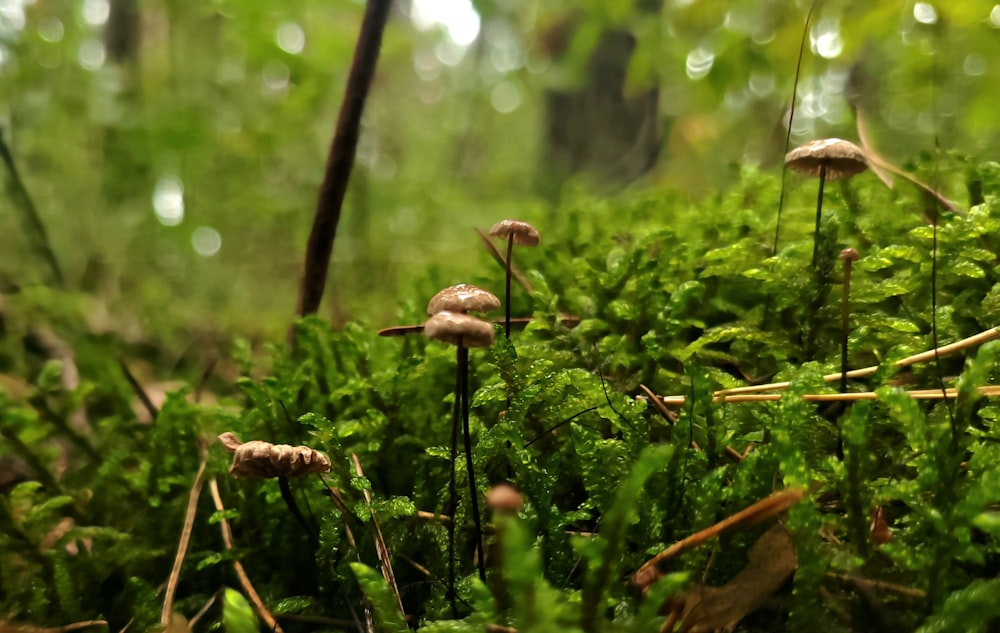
{"type": "Point", "coordinates": [286, 495]}
{"type": "Point", "coordinates": [506, 296]}
{"type": "Point", "coordinates": [452, 492]}
{"type": "Point", "coordinates": [463, 370]}
{"type": "Point", "coordinates": [845, 318]}
{"type": "Point", "coordinates": [819, 212]}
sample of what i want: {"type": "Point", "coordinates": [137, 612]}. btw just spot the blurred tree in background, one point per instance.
{"type": "Point", "coordinates": [174, 149]}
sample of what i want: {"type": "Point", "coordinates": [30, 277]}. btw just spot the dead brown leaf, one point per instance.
{"type": "Point", "coordinates": [705, 609]}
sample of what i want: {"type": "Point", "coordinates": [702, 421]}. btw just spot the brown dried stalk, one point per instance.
{"type": "Point", "coordinates": [380, 547]}
{"type": "Point", "coordinates": [975, 339]}
{"type": "Point", "coordinates": [182, 546]}
{"type": "Point", "coordinates": [989, 391]}
{"type": "Point", "coordinates": [241, 574]}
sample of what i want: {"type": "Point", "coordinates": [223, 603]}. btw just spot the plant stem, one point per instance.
{"type": "Point", "coordinates": [452, 492]}
{"type": "Point", "coordinates": [506, 300]}
{"type": "Point", "coordinates": [286, 495]}
{"type": "Point", "coordinates": [845, 319]}
{"type": "Point", "coordinates": [463, 368]}
{"type": "Point", "coordinates": [819, 213]}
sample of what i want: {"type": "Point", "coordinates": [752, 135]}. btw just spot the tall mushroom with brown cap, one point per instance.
{"type": "Point", "coordinates": [829, 159]}
{"type": "Point", "coordinates": [462, 298]}
{"type": "Point", "coordinates": [515, 232]}
{"type": "Point", "coordinates": [463, 331]}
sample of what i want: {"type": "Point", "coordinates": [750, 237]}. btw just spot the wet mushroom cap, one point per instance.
{"type": "Point", "coordinates": [843, 159]}
{"type": "Point", "coordinates": [463, 298]}
{"type": "Point", "coordinates": [524, 234]}
{"type": "Point", "coordinates": [459, 329]}
{"type": "Point", "coordinates": [849, 254]}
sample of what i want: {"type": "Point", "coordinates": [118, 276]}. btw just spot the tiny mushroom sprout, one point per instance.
{"type": "Point", "coordinates": [827, 159]}
{"type": "Point", "coordinates": [462, 298]}
{"type": "Point", "coordinates": [463, 331]}
{"type": "Point", "coordinates": [515, 232]}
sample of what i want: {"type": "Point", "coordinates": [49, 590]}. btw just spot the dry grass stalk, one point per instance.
{"type": "Point", "coordinates": [383, 551]}
{"type": "Point", "coordinates": [182, 546]}
{"type": "Point", "coordinates": [975, 339]}
{"type": "Point", "coordinates": [989, 391]}
{"type": "Point", "coordinates": [241, 574]}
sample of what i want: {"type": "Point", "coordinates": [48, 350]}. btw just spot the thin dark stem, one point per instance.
{"type": "Point", "coordinates": [33, 226]}
{"type": "Point", "coordinates": [286, 494]}
{"type": "Point", "coordinates": [463, 367]}
{"type": "Point", "coordinates": [341, 157]}
{"type": "Point", "coordinates": [845, 325]}
{"type": "Point", "coordinates": [452, 491]}
{"type": "Point", "coordinates": [791, 118]}
{"type": "Point", "coordinates": [506, 301]}
{"type": "Point", "coordinates": [819, 213]}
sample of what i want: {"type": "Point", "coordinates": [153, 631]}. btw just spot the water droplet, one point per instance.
{"type": "Point", "coordinates": [825, 38]}
{"type": "Point", "coordinates": [96, 12]}
{"type": "Point", "coordinates": [459, 19]}
{"type": "Point", "coordinates": [290, 38]}
{"type": "Point", "coordinates": [925, 13]}
{"type": "Point", "coordinates": [51, 29]}
{"type": "Point", "coordinates": [275, 76]}
{"type": "Point", "coordinates": [974, 65]}
{"type": "Point", "coordinates": [699, 62]}
{"type": "Point", "coordinates": [91, 54]}
{"type": "Point", "coordinates": [206, 241]}
{"type": "Point", "coordinates": [168, 200]}
{"type": "Point", "coordinates": [505, 97]}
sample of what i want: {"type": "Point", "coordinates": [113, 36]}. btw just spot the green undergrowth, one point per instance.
{"type": "Point", "coordinates": [684, 298]}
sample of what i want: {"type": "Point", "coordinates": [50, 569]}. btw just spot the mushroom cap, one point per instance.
{"type": "Point", "coordinates": [843, 159]}
{"type": "Point", "coordinates": [849, 254]}
{"type": "Point", "coordinates": [463, 298]}
{"type": "Point", "coordinates": [505, 499]}
{"type": "Point", "coordinates": [524, 234]}
{"type": "Point", "coordinates": [266, 460]}
{"type": "Point", "coordinates": [459, 329]}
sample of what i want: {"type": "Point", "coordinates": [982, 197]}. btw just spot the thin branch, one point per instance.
{"type": "Point", "coordinates": [182, 546]}
{"type": "Point", "coordinates": [989, 391]}
{"type": "Point", "coordinates": [31, 221]}
{"type": "Point", "coordinates": [975, 339]}
{"type": "Point", "coordinates": [139, 391]}
{"type": "Point", "coordinates": [340, 160]}
{"type": "Point", "coordinates": [241, 574]}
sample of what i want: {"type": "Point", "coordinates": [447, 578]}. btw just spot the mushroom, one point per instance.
{"type": "Point", "coordinates": [464, 331]}
{"type": "Point", "coordinates": [829, 159]}
{"type": "Point", "coordinates": [281, 461]}
{"type": "Point", "coordinates": [462, 298]}
{"type": "Point", "coordinates": [515, 232]}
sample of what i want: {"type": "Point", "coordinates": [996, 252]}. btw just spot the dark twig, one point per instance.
{"type": "Point", "coordinates": [139, 391]}
{"type": "Point", "coordinates": [498, 256]}
{"type": "Point", "coordinates": [33, 227]}
{"type": "Point", "coordinates": [341, 157]}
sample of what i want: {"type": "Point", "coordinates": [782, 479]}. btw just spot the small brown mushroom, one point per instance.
{"type": "Point", "coordinates": [463, 298]}
{"type": "Point", "coordinates": [521, 233]}
{"type": "Point", "coordinates": [266, 460]}
{"type": "Point", "coordinates": [828, 159]}
{"type": "Point", "coordinates": [504, 499]}
{"type": "Point", "coordinates": [459, 329]}
{"type": "Point", "coordinates": [840, 158]}
{"type": "Point", "coordinates": [515, 232]}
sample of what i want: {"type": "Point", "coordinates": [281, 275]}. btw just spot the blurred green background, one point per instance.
{"type": "Point", "coordinates": [174, 149]}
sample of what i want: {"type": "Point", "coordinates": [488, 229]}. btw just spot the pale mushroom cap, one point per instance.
{"type": "Point", "coordinates": [459, 329]}
{"type": "Point", "coordinates": [524, 234]}
{"type": "Point", "coordinates": [263, 459]}
{"type": "Point", "coordinates": [463, 298]}
{"type": "Point", "coordinates": [843, 159]}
